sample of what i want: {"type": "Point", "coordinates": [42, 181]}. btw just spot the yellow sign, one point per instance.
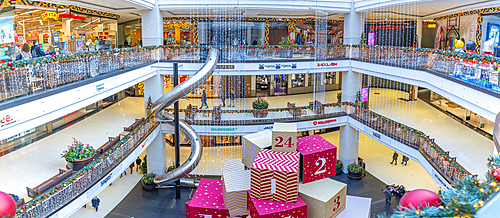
{"type": "Point", "coordinates": [178, 25]}
{"type": "Point", "coordinates": [50, 14]}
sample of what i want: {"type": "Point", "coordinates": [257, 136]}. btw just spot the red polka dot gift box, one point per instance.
{"type": "Point", "coordinates": [318, 158]}
{"type": "Point", "coordinates": [273, 209]}
{"type": "Point", "coordinates": [207, 201]}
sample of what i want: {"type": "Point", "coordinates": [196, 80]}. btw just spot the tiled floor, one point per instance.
{"type": "Point", "coordinates": [32, 165]}
{"type": "Point", "coordinates": [162, 203]}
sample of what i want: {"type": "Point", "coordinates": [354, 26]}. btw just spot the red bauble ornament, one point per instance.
{"type": "Point", "coordinates": [54, 55]}
{"type": "Point", "coordinates": [496, 173]}
{"type": "Point", "coordinates": [12, 68]}
{"type": "Point", "coordinates": [7, 205]}
{"type": "Point", "coordinates": [34, 204]}
{"type": "Point", "coordinates": [420, 198]}
{"type": "Point", "coordinates": [9, 63]}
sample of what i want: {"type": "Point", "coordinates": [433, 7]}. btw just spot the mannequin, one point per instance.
{"type": "Point", "coordinates": [488, 47]}
{"type": "Point", "coordinates": [471, 47]}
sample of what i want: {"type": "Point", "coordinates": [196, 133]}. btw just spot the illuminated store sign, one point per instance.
{"type": "Point", "coordinates": [278, 66]}
{"type": "Point", "coordinates": [324, 122]}
{"type": "Point", "coordinates": [55, 16]}
{"type": "Point", "coordinates": [327, 64]}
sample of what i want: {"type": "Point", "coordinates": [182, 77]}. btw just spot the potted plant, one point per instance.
{"type": "Point", "coordinates": [144, 166]}
{"type": "Point", "coordinates": [260, 106]}
{"type": "Point", "coordinates": [148, 182]}
{"type": "Point", "coordinates": [339, 167]}
{"type": "Point", "coordinates": [78, 155]}
{"type": "Point", "coordinates": [355, 171]}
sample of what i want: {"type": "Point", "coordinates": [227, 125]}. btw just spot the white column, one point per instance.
{"type": "Point", "coordinates": [353, 27]}
{"type": "Point", "coordinates": [157, 155]}
{"type": "Point", "coordinates": [415, 92]}
{"type": "Point", "coordinates": [419, 32]}
{"type": "Point", "coordinates": [66, 28]}
{"type": "Point", "coordinates": [253, 85]}
{"type": "Point", "coordinates": [306, 80]}
{"type": "Point", "coordinates": [350, 85]}
{"type": "Point", "coordinates": [153, 87]}
{"type": "Point", "coordinates": [152, 26]}
{"type": "Point", "coordinates": [348, 146]}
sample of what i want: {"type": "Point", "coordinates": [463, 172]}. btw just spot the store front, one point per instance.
{"type": "Point", "coordinates": [65, 31]}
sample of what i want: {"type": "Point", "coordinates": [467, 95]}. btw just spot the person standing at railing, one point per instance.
{"type": "Point", "coordinates": [223, 98]}
{"type": "Point", "coordinates": [232, 97]}
{"type": "Point", "coordinates": [204, 100]}
{"type": "Point", "coordinates": [36, 52]}
{"type": "Point", "coordinates": [395, 158]}
{"type": "Point", "coordinates": [25, 53]}
{"type": "Point", "coordinates": [255, 42]}
{"type": "Point", "coordinates": [95, 203]}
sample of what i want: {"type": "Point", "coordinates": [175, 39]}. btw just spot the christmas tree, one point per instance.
{"type": "Point", "coordinates": [170, 39]}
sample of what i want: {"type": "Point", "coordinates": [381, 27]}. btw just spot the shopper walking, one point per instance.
{"type": "Point", "coordinates": [138, 162]}
{"type": "Point", "coordinates": [36, 51]}
{"type": "Point", "coordinates": [204, 99]}
{"type": "Point", "coordinates": [395, 158]}
{"type": "Point", "coordinates": [25, 52]}
{"type": "Point", "coordinates": [405, 160]}
{"type": "Point", "coordinates": [132, 165]}
{"type": "Point", "coordinates": [223, 98]}
{"type": "Point", "coordinates": [95, 203]}
{"type": "Point", "coordinates": [232, 97]}
{"type": "Point", "coordinates": [387, 193]}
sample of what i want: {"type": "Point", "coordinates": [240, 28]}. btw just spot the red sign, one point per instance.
{"type": "Point", "coordinates": [327, 64]}
{"type": "Point", "coordinates": [324, 121]}
{"type": "Point", "coordinates": [386, 27]}
{"type": "Point", "coordinates": [71, 16]}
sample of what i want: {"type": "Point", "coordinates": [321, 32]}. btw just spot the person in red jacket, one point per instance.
{"type": "Point", "coordinates": [131, 167]}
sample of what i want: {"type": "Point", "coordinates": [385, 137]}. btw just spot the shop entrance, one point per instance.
{"type": "Point", "coordinates": [278, 85]}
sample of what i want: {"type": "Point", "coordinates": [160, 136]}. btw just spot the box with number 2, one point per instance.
{"type": "Point", "coordinates": [284, 137]}
{"type": "Point", "coordinates": [318, 158]}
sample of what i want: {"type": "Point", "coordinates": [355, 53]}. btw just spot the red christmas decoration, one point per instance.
{"type": "Point", "coordinates": [496, 173]}
{"type": "Point", "coordinates": [12, 68]}
{"type": "Point", "coordinates": [420, 198]}
{"type": "Point", "coordinates": [9, 63]}
{"type": "Point", "coordinates": [7, 205]}
{"type": "Point", "coordinates": [34, 204]}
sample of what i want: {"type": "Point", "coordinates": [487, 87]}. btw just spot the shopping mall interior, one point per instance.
{"type": "Point", "coordinates": [341, 108]}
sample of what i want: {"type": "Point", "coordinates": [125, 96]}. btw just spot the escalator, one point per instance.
{"type": "Point", "coordinates": [161, 115]}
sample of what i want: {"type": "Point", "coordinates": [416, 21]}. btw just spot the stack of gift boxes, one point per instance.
{"type": "Point", "coordinates": [281, 182]}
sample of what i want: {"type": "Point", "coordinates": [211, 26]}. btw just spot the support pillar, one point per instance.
{"type": "Point", "coordinates": [350, 85]}
{"type": "Point", "coordinates": [153, 87]}
{"type": "Point", "coordinates": [348, 146]}
{"type": "Point", "coordinates": [157, 155]}
{"type": "Point", "coordinates": [353, 27]}
{"type": "Point", "coordinates": [419, 32]}
{"type": "Point", "coordinates": [152, 27]}
{"type": "Point", "coordinates": [66, 29]}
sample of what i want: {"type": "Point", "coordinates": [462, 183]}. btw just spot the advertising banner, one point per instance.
{"type": "Point", "coordinates": [6, 30]}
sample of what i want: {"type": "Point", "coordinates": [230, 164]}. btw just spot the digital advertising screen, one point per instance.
{"type": "Point", "coordinates": [6, 30]}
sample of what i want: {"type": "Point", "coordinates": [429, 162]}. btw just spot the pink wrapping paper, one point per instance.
{"type": "Point", "coordinates": [318, 158]}
{"type": "Point", "coordinates": [275, 209]}
{"type": "Point", "coordinates": [208, 200]}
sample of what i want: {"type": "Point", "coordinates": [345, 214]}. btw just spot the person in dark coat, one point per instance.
{"type": "Point", "coordinates": [255, 41]}
{"type": "Point", "coordinates": [138, 162]}
{"type": "Point", "coordinates": [95, 203]}
{"type": "Point", "coordinates": [387, 193]}
{"type": "Point", "coordinates": [36, 51]}
{"type": "Point", "coordinates": [232, 96]}
{"type": "Point", "coordinates": [395, 158]}
{"type": "Point", "coordinates": [223, 98]}
{"type": "Point", "coordinates": [405, 160]}
{"type": "Point", "coordinates": [204, 99]}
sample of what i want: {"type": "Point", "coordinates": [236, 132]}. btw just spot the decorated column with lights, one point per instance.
{"type": "Point", "coordinates": [152, 26]}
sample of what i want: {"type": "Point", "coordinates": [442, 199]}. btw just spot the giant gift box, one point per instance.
{"type": "Point", "coordinates": [235, 187]}
{"type": "Point", "coordinates": [207, 201]}
{"type": "Point", "coordinates": [232, 165]}
{"type": "Point", "coordinates": [325, 198]}
{"type": "Point", "coordinates": [271, 209]}
{"type": "Point", "coordinates": [275, 176]}
{"type": "Point", "coordinates": [253, 143]}
{"type": "Point", "coordinates": [318, 158]}
{"type": "Point", "coordinates": [284, 137]}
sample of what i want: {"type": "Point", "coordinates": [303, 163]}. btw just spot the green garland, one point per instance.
{"type": "Point", "coordinates": [463, 200]}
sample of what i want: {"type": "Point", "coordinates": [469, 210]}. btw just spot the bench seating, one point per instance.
{"type": "Point", "coordinates": [48, 184]}
{"type": "Point", "coordinates": [106, 146]}
{"type": "Point", "coordinates": [133, 125]}
{"type": "Point", "coordinates": [295, 112]}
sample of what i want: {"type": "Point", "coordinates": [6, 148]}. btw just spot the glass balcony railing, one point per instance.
{"type": "Point", "coordinates": [26, 77]}
{"type": "Point", "coordinates": [81, 181]}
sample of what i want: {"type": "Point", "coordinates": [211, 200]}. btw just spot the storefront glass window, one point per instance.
{"type": "Point", "coordinates": [231, 33]}
{"type": "Point", "coordinates": [298, 80]}
{"type": "Point", "coordinates": [177, 32]}
{"type": "Point", "coordinates": [278, 33]}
